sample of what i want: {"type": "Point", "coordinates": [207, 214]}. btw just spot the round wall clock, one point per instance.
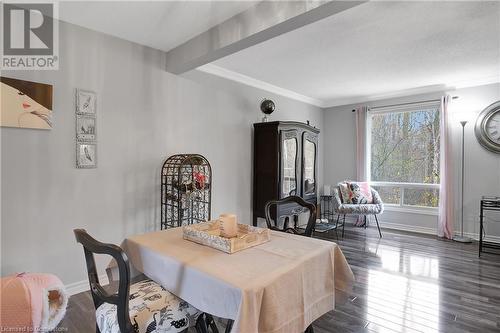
{"type": "Point", "coordinates": [488, 128]}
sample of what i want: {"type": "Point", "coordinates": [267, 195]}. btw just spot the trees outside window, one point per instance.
{"type": "Point", "coordinates": [404, 154]}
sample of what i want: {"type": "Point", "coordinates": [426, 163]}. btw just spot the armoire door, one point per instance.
{"type": "Point", "coordinates": [289, 163]}
{"type": "Point", "coordinates": [309, 165]}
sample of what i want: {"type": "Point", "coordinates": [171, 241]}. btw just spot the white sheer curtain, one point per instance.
{"type": "Point", "coordinates": [361, 141]}
{"type": "Point", "coordinates": [361, 150]}
{"type": "Point", "coordinates": [446, 216]}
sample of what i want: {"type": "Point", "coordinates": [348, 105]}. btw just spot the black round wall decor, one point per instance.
{"type": "Point", "coordinates": [267, 106]}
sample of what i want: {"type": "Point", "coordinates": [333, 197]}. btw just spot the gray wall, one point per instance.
{"type": "Point", "coordinates": [482, 168]}
{"type": "Point", "coordinates": [144, 115]}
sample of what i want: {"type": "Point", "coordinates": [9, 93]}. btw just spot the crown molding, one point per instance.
{"type": "Point", "coordinates": [437, 88]}
{"type": "Point", "coordinates": [476, 82]}
{"type": "Point", "coordinates": [250, 81]}
{"type": "Point", "coordinates": [396, 94]}
{"type": "Point", "coordinates": [325, 104]}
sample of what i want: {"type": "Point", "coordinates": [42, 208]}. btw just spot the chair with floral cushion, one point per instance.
{"type": "Point", "coordinates": [357, 198]}
{"type": "Point", "coordinates": [142, 307]}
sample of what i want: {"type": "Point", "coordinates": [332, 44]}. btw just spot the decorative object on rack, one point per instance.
{"type": "Point", "coordinates": [462, 238]}
{"type": "Point", "coordinates": [186, 190]}
{"type": "Point", "coordinates": [487, 128]}
{"type": "Point", "coordinates": [25, 104]}
{"type": "Point", "coordinates": [267, 107]}
{"type": "Point", "coordinates": [85, 125]}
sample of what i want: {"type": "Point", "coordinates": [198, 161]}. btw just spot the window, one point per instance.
{"type": "Point", "coordinates": [403, 154]}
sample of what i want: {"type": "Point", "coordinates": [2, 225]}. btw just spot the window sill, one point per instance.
{"type": "Point", "coordinates": [412, 210]}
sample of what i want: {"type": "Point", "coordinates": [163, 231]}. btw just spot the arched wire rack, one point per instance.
{"type": "Point", "coordinates": [186, 190]}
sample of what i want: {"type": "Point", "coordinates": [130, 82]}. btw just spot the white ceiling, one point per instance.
{"type": "Point", "coordinates": [159, 24]}
{"type": "Point", "coordinates": [376, 50]}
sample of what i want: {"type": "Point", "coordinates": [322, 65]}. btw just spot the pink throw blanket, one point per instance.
{"type": "Point", "coordinates": [32, 302]}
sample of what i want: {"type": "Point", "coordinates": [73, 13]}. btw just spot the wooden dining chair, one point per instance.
{"type": "Point", "coordinates": [309, 230]}
{"type": "Point", "coordinates": [147, 304]}
{"type": "Point", "coordinates": [274, 224]}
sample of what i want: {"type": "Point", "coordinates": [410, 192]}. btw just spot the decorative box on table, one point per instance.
{"type": "Point", "coordinates": [208, 233]}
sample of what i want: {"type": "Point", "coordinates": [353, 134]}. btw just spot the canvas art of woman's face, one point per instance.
{"type": "Point", "coordinates": [20, 110]}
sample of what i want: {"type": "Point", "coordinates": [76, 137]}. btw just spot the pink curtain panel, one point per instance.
{"type": "Point", "coordinates": [361, 172]}
{"type": "Point", "coordinates": [446, 207]}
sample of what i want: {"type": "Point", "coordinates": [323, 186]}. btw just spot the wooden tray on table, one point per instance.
{"type": "Point", "coordinates": [208, 233]}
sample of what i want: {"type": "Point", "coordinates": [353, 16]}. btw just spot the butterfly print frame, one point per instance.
{"type": "Point", "coordinates": [86, 155]}
{"type": "Point", "coordinates": [86, 129]}
{"type": "Point", "coordinates": [86, 102]}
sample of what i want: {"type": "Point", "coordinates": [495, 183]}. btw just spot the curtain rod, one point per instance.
{"type": "Point", "coordinates": [403, 104]}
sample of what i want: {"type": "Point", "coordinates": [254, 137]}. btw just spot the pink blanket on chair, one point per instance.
{"type": "Point", "coordinates": [32, 302]}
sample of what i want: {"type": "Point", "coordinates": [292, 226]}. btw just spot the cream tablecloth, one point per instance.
{"type": "Point", "coordinates": [279, 286]}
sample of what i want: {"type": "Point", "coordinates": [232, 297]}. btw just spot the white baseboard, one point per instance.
{"type": "Point", "coordinates": [81, 286]}
{"type": "Point", "coordinates": [432, 231]}
{"type": "Point", "coordinates": [475, 236]}
{"type": "Point", "coordinates": [406, 227]}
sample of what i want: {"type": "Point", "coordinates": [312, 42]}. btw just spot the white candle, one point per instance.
{"type": "Point", "coordinates": [228, 225]}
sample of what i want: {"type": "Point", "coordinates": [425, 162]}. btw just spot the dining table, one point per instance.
{"type": "Point", "coordinates": [280, 286]}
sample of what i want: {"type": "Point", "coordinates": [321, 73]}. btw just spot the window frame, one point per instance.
{"type": "Point", "coordinates": [401, 207]}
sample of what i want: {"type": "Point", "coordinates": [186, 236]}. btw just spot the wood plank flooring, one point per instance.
{"type": "Point", "coordinates": [405, 282]}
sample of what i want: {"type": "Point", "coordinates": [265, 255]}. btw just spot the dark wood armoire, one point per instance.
{"type": "Point", "coordinates": [285, 162]}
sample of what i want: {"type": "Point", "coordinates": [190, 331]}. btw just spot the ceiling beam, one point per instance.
{"type": "Point", "coordinates": [266, 20]}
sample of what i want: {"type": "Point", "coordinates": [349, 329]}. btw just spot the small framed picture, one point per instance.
{"type": "Point", "coordinates": [85, 128]}
{"type": "Point", "coordinates": [85, 102]}
{"type": "Point", "coordinates": [86, 155]}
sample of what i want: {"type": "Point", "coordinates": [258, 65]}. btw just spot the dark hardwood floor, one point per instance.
{"type": "Point", "coordinates": [405, 282]}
